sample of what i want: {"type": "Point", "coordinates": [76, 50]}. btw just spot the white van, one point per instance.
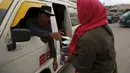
{"type": "Point", "coordinates": [29, 54]}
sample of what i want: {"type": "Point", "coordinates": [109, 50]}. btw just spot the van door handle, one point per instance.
{"type": "Point", "coordinates": [15, 47]}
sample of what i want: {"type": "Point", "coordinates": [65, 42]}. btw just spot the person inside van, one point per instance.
{"type": "Point", "coordinates": [41, 27]}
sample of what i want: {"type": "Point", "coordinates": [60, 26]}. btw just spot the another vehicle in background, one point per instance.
{"type": "Point", "coordinates": [125, 19]}
{"type": "Point", "coordinates": [109, 18]}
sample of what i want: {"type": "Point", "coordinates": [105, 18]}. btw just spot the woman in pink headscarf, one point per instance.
{"type": "Point", "coordinates": [92, 46]}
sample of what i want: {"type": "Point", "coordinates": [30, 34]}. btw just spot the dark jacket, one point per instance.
{"type": "Point", "coordinates": [36, 29]}
{"type": "Point", "coordinates": [96, 51]}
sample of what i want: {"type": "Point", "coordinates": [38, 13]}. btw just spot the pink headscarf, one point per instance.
{"type": "Point", "coordinates": [91, 14]}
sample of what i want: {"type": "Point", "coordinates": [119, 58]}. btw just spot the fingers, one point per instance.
{"type": "Point", "coordinates": [56, 36]}
{"type": "Point", "coordinates": [69, 59]}
{"type": "Point", "coordinates": [55, 65]}
{"type": "Point", "coordinates": [62, 33]}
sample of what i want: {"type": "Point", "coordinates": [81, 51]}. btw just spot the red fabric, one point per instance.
{"type": "Point", "coordinates": [91, 14]}
{"type": "Point", "coordinates": [76, 71]}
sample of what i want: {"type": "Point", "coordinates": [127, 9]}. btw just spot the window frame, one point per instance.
{"type": "Point", "coordinates": [24, 7]}
{"type": "Point", "coordinates": [8, 20]}
{"type": "Point", "coordinates": [5, 5]}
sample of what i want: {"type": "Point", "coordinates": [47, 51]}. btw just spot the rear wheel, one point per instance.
{"type": "Point", "coordinates": [126, 26]}
{"type": "Point", "coordinates": [46, 71]}
{"type": "Point", "coordinates": [110, 21]}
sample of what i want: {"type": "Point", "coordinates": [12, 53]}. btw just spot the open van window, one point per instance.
{"type": "Point", "coordinates": [31, 13]}
{"type": "Point", "coordinates": [59, 11]}
{"type": "Point", "coordinates": [25, 6]}
{"type": "Point", "coordinates": [4, 6]}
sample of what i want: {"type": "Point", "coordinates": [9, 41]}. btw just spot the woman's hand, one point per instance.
{"type": "Point", "coordinates": [69, 58]}
{"type": "Point", "coordinates": [56, 35]}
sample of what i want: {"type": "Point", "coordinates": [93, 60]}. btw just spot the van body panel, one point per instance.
{"type": "Point", "coordinates": [6, 17]}
{"type": "Point", "coordinates": [26, 64]}
{"type": "Point", "coordinates": [5, 4]}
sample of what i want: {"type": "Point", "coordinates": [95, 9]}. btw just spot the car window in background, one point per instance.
{"type": "Point", "coordinates": [125, 15]}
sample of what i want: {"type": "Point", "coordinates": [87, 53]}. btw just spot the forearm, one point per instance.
{"type": "Point", "coordinates": [40, 33]}
{"type": "Point", "coordinates": [53, 53]}
{"type": "Point", "coordinates": [52, 47]}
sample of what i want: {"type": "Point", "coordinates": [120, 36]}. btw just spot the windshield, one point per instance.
{"type": "Point", "coordinates": [4, 6]}
{"type": "Point", "coordinates": [126, 14]}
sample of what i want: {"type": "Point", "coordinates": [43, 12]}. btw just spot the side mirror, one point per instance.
{"type": "Point", "coordinates": [20, 35]}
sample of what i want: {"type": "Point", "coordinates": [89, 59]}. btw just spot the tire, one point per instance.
{"type": "Point", "coordinates": [126, 26]}
{"type": "Point", "coordinates": [110, 21]}
{"type": "Point", "coordinates": [47, 70]}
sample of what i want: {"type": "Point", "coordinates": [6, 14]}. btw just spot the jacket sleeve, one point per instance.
{"type": "Point", "coordinates": [38, 32]}
{"type": "Point", "coordinates": [51, 45]}
{"type": "Point", "coordinates": [86, 55]}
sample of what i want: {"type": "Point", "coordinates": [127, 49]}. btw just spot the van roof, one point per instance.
{"type": "Point", "coordinates": [63, 2]}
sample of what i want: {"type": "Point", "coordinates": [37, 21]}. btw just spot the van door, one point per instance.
{"type": "Point", "coordinates": [64, 25]}
{"type": "Point", "coordinates": [28, 56]}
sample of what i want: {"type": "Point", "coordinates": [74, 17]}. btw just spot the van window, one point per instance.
{"type": "Point", "coordinates": [59, 11]}
{"type": "Point", "coordinates": [4, 6]}
{"type": "Point", "coordinates": [25, 6]}
{"type": "Point", "coordinates": [73, 16]}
